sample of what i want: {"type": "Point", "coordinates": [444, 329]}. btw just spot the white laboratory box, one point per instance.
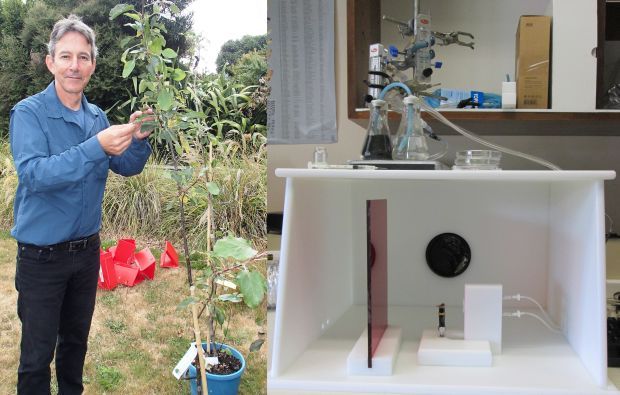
{"type": "Point", "coordinates": [537, 233]}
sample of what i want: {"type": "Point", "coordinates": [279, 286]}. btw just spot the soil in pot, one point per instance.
{"type": "Point", "coordinates": [228, 364]}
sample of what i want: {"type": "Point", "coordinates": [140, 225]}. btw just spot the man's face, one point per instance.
{"type": "Point", "coordinates": [72, 64]}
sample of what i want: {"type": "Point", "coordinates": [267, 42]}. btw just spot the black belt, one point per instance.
{"type": "Point", "coordinates": [72, 245]}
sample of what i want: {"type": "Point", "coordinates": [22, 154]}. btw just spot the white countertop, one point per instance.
{"type": "Point", "coordinates": [498, 175]}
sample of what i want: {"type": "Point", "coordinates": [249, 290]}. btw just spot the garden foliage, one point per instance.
{"type": "Point", "coordinates": [183, 109]}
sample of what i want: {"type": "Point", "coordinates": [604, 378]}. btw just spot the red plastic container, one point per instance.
{"type": "Point", "coordinates": [169, 258]}
{"type": "Point", "coordinates": [146, 263]}
{"type": "Point", "coordinates": [107, 271]}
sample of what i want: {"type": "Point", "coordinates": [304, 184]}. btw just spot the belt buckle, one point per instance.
{"type": "Point", "coordinates": [78, 245]}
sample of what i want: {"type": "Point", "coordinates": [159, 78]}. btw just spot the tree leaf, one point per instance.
{"type": "Point", "coordinates": [234, 298]}
{"type": "Point", "coordinates": [169, 53]}
{"type": "Point", "coordinates": [156, 45]}
{"type": "Point", "coordinates": [149, 126]}
{"type": "Point", "coordinates": [178, 75]}
{"type": "Point", "coordinates": [125, 41]}
{"type": "Point", "coordinates": [256, 345]}
{"type": "Point", "coordinates": [213, 188]}
{"type": "Point", "coordinates": [135, 17]}
{"type": "Point", "coordinates": [220, 316]}
{"type": "Point", "coordinates": [233, 247]}
{"type": "Point", "coordinates": [129, 66]}
{"type": "Point", "coordinates": [174, 9]}
{"type": "Point", "coordinates": [184, 143]}
{"type": "Point", "coordinates": [142, 86]}
{"type": "Point", "coordinates": [182, 175]}
{"type": "Point", "coordinates": [120, 9]}
{"type": "Point", "coordinates": [253, 286]}
{"type": "Point", "coordinates": [186, 302]}
{"type": "Point", "coordinates": [165, 99]}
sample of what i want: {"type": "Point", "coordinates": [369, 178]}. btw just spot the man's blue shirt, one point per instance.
{"type": "Point", "coordinates": [62, 168]}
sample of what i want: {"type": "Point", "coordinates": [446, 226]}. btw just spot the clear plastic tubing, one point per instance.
{"type": "Point", "coordinates": [479, 140]}
{"type": "Point", "coordinates": [392, 86]}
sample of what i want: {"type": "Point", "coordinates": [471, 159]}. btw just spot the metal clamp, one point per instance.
{"type": "Point", "coordinates": [453, 38]}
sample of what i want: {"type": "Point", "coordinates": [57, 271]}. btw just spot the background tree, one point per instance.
{"type": "Point", "coordinates": [250, 68]}
{"type": "Point", "coordinates": [233, 50]}
{"type": "Point", "coordinates": [13, 12]}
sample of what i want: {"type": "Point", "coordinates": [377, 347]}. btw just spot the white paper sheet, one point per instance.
{"type": "Point", "coordinates": [302, 105]}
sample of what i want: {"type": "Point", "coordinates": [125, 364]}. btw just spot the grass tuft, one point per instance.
{"type": "Point", "coordinates": [108, 377]}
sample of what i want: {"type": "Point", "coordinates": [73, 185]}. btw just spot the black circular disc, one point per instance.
{"type": "Point", "coordinates": [448, 255]}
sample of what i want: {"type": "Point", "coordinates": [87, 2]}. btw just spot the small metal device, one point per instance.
{"type": "Point", "coordinates": [441, 328]}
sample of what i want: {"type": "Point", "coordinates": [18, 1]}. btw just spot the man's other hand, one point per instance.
{"type": "Point", "coordinates": [139, 118]}
{"type": "Point", "coordinates": [116, 139]}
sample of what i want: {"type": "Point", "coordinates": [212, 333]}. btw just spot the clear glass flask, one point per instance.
{"type": "Point", "coordinates": [410, 143]}
{"type": "Point", "coordinates": [377, 144]}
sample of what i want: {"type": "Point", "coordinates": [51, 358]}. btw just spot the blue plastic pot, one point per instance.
{"type": "Point", "coordinates": [227, 384]}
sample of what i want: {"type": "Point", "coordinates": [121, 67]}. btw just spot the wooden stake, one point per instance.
{"type": "Point", "coordinates": [201, 352]}
{"type": "Point", "coordinates": [209, 226]}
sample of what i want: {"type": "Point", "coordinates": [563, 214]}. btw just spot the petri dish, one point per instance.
{"type": "Point", "coordinates": [477, 160]}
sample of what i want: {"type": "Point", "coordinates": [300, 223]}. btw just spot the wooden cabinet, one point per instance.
{"type": "Point", "coordinates": [578, 53]}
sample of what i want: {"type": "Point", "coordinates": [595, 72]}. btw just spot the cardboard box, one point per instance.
{"type": "Point", "coordinates": [533, 54]}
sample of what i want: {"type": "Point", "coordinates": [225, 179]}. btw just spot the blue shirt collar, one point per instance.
{"type": "Point", "coordinates": [55, 107]}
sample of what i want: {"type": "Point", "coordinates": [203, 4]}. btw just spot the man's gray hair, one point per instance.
{"type": "Point", "coordinates": [72, 23]}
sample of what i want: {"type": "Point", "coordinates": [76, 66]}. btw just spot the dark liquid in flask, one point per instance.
{"type": "Point", "coordinates": [377, 147]}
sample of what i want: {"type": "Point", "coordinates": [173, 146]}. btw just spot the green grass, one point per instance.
{"type": "Point", "coordinates": [116, 326]}
{"type": "Point", "coordinates": [109, 299]}
{"type": "Point", "coordinates": [108, 378]}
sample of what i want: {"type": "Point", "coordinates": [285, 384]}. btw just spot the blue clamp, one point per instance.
{"type": "Point", "coordinates": [393, 51]}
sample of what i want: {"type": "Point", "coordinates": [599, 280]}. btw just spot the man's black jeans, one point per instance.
{"type": "Point", "coordinates": [56, 301]}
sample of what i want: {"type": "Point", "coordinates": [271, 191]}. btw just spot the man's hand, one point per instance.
{"type": "Point", "coordinates": [140, 117]}
{"type": "Point", "coordinates": [116, 139]}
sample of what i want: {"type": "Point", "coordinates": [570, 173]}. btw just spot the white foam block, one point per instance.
{"type": "Point", "coordinates": [446, 351]}
{"type": "Point", "coordinates": [482, 310]}
{"type": "Point", "coordinates": [384, 358]}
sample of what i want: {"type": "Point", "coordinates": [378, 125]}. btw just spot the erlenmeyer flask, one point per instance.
{"type": "Point", "coordinates": [410, 140]}
{"type": "Point", "coordinates": [377, 144]}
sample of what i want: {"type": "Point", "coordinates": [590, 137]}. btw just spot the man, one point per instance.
{"type": "Point", "coordinates": [63, 147]}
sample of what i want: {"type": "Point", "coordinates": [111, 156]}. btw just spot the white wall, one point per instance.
{"type": "Point", "coordinates": [483, 68]}
{"type": "Point", "coordinates": [571, 153]}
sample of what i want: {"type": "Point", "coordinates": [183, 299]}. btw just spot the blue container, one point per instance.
{"type": "Point", "coordinates": [227, 384]}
